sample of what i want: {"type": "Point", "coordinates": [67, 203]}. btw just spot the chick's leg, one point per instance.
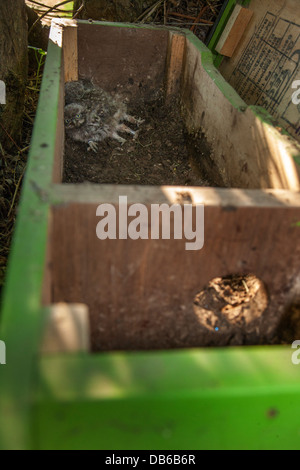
{"type": "Point", "coordinates": [132, 119]}
{"type": "Point", "coordinates": [116, 136]}
{"type": "Point", "coordinates": [124, 128]}
{"type": "Point", "coordinates": [92, 146]}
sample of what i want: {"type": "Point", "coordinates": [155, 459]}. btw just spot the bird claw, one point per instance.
{"type": "Point", "coordinates": [136, 135]}
{"type": "Point", "coordinates": [117, 137]}
{"type": "Point", "coordinates": [133, 120]}
{"type": "Point", "coordinates": [139, 121]}
{"type": "Point", "coordinates": [92, 146]}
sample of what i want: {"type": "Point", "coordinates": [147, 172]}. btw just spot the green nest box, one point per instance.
{"type": "Point", "coordinates": [104, 345]}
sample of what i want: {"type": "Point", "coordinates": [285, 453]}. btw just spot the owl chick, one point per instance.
{"type": "Point", "coordinates": [92, 114]}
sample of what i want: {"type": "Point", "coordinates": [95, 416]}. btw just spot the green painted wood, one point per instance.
{"type": "Point", "coordinates": [135, 400]}
{"type": "Point", "coordinates": [22, 316]}
{"type": "Point", "coordinates": [207, 61]}
{"type": "Point", "coordinates": [234, 398]}
{"type": "Point", "coordinates": [220, 27]}
{"type": "Point", "coordinates": [263, 115]}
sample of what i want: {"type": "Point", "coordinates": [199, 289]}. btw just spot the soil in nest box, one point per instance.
{"type": "Point", "coordinates": [226, 312]}
{"type": "Point", "coordinates": [159, 156]}
{"type": "Point", "coordinates": [230, 310]}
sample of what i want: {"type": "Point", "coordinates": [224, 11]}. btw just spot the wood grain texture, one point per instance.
{"type": "Point", "coordinates": [246, 147]}
{"type": "Point", "coordinates": [59, 135]}
{"type": "Point", "coordinates": [234, 30]}
{"type": "Point", "coordinates": [125, 59]}
{"type": "Point", "coordinates": [175, 63]}
{"type": "Point", "coordinates": [140, 292]}
{"type": "Point", "coordinates": [70, 53]}
{"type": "Point", "coordinates": [109, 193]}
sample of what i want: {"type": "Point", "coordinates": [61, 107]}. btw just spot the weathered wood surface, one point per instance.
{"type": "Point", "coordinates": [247, 149]}
{"type": "Point", "coordinates": [234, 30]}
{"type": "Point", "coordinates": [140, 292]}
{"type": "Point", "coordinates": [174, 64]}
{"type": "Point", "coordinates": [70, 54]}
{"type": "Point", "coordinates": [130, 60]}
{"type": "Point", "coordinates": [67, 329]}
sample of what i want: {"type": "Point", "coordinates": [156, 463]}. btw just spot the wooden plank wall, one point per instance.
{"type": "Point", "coordinates": [176, 52]}
{"type": "Point", "coordinates": [140, 292]}
{"type": "Point", "coordinates": [249, 152]}
{"type": "Point", "coordinates": [123, 59]}
{"type": "Point", "coordinates": [70, 50]}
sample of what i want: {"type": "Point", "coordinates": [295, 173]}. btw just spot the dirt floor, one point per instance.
{"type": "Point", "coordinates": [162, 154]}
